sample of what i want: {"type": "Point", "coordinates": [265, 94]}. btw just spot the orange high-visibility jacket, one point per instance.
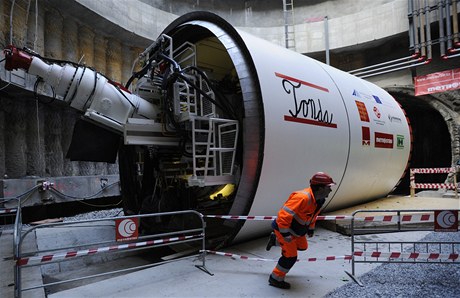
{"type": "Point", "coordinates": [298, 214]}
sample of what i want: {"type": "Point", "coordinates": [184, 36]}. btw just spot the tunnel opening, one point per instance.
{"type": "Point", "coordinates": [431, 142]}
{"type": "Point", "coordinates": [199, 46]}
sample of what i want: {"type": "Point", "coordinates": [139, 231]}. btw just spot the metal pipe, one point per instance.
{"type": "Point", "coordinates": [442, 45]}
{"type": "Point", "coordinates": [11, 21]}
{"type": "Point", "coordinates": [383, 63]}
{"type": "Point", "coordinates": [415, 20]}
{"type": "Point", "coordinates": [454, 50]}
{"type": "Point", "coordinates": [387, 67]}
{"type": "Point", "coordinates": [455, 24]}
{"type": "Point", "coordinates": [396, 69]}
{"type": "Point", "coordinates": [413, 40]}
{"type": "Point", "coordinates": [451, 56]}
{"type": "Point", "coordinates": [411, 23]}
{"type": "Point", "coordinates": [326, 39]}
{"type": "Point", "coordinates": [448, 26]}
{"type": "Point", "coordinates": [421, 20]}
{"type": "Point", "coordinates": [428, 32]}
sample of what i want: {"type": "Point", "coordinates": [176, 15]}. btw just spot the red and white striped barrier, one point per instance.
{"type": "Point", "coordinates": [87, 252]}
{"type": "Point", "coordinates": [242, 217]}
{"type": "Point", "coordinates": [432, 170]}
{"type": "Point", "coordinates": [412, 255]}
{"type": "Point", "coordinates": [383, 218]}
{"type": "Point", "coordinates": [235, 256]}
{"type": "Point", "coordinates": [396, 218]}
{"type": "Point", "coordinates": [414, 186]}
{"type": "Point", "coordinates": [454, 257]}
{"type": "Point", "coordinates": [435, 186]}
{"type": "Point", "coordinates": [7, 211]}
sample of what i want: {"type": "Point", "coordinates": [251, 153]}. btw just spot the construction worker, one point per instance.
{"type": "Point", "coordinates": [296, 219]}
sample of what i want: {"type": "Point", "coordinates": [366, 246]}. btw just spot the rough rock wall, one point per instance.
{"type": "Point", "coordinates": [34, 134]}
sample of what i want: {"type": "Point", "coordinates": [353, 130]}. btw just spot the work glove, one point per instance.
{"type": "Point", "coordinates": [310, 232]}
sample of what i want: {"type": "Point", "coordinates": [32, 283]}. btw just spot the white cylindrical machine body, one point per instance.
{"type": "Point", "coordinates": [302, 117]}
{"type": "Point", "coordinates": [318, 118]}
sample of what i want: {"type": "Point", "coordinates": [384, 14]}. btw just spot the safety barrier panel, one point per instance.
{"type": "Point", "coordinates": [414, 186]}
{"type": "Point", "coordinates": [5, 212]}
{"type": "Point", "coordinates": [121, 236]}
{"type": "Point", "coordinates": [364, 250]}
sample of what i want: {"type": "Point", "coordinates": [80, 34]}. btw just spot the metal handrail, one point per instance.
{"type": "Point", "coordinates": [193, 234]}
{"type": "Point", "coordinates": [399, 228]}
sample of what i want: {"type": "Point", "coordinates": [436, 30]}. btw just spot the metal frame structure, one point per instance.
{"type": "Point", "coordinates": [363, 245]}
{"type": "Point", "coordinates": [104, 246]}
{"type": "Point", "coordinates": [452, 171]}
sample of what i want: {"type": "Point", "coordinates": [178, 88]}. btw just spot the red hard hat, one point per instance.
{"type": "Point", "coordinates": [321, 178]}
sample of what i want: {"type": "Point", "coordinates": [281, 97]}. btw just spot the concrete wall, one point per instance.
{"type": "Point", "coordinates": [350, 22]}
{"type": "Point", "coordinates": [35, 135]}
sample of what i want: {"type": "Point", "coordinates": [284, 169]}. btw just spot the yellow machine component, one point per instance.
{"type": "Point", "coordinates": [225, 191]}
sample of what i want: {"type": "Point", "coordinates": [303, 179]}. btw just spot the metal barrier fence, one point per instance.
{"type": "Point", "coordinates": [367, 251]}
{"type": "Point", "coordinates": [121, 237]}
{"type": "Point", "coordinates": [414, 186]}
{"type": "Point", "coordinates": [7, 212]}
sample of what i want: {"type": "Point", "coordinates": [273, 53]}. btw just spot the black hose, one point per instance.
{"type": "Point", "coordinates": [201, 91]}
{"type": "Point", "coordinates": [92, 91]}
{"type": "Point", "coordinates": [228, 108]}
{"type": "Point", "coordinates": [176, 65]}
{"type": "Point", "coordinates": [56, 191]}
{"type": "Point", "coordinates": [39, 79]}
{"type": "Point", "coordinates": [138, 74]}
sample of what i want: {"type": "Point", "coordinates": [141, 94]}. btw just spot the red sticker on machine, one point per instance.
{"type": "Point", "coordinates": [366, 133]}
{"type": "Point", "coordinates": [383, 140]}
{"type": "Point", "coordinates": [362, 111]}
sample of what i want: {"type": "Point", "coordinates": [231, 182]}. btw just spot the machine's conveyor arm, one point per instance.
{"type": "Point", "coordinates": [84, 89]}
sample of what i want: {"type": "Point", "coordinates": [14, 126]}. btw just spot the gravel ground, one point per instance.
{"type": "Point", "coordinates": [409, 280]}
{"type": "Point", "coordinates": [95, 215]}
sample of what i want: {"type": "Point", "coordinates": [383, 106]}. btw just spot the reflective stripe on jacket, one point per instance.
{"type": "Point", "coordinates": [298, 214]}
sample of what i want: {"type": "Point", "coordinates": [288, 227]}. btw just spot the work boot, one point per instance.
{"type": "Point", "coordinates": [271, 241]}
{"type": "Point", "coordinates": [278, 284]}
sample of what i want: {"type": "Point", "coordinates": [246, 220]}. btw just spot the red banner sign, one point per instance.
{"type": "Point", "coordinates": [437, 82]}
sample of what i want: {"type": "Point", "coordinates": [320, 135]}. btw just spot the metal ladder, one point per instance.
{"type": "Point", "coordinates": [214, 139]}
{"type": "Point", "coordinates": [289, 34]}
{"type": "Point", "coordinates": [214, 149]}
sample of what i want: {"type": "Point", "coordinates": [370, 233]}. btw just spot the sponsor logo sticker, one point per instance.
{"type": "Point", "coordinates": [364, 95]}
{"type": "Point", "coordinates": [394, 119]}
{"type": "Point", "coordinates": [446, 221]}
{"type": "Point", "coordinates": [363, 115]}
{"type": "Point", "coordinates": [400, 141]}
{"type": "Point", "coordinates": [126, 229]}
{"type": "Point", "coordinates": [377, 99]}
{"type": "Point", "coordinates": [378, 115]}
{"type": "Point", "coordinates": [366, 136]}
{"type": "Point", "coordinates": [383, 140]}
